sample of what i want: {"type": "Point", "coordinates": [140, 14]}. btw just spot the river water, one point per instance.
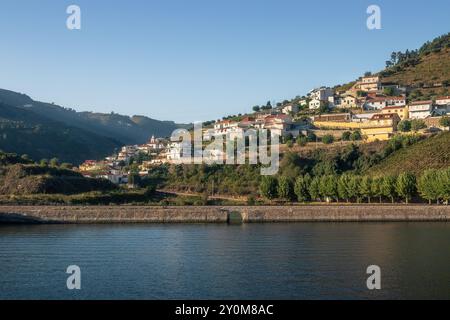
{"type": "Point", "coordinates": [218, 261]}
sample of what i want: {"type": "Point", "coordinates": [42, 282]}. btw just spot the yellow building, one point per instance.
{"type": "Point", "coordinates": [401, 111]}
{"type": "Point", "coordinates": [382, 127]}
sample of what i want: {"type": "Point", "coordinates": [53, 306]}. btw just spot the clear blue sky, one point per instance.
{"type": "Point", "coordinates": [190, 60]}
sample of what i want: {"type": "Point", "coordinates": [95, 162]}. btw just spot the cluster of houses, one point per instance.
{"type": "Point", "coordinates": [156, 151]}
{"type": "Point", "coordinates": [276, 121]}
{"type": "Point", "coordinates": [368, 109]}
{"type": "Point", "coordinates": [368, 93]}
{"type": "Point", "coordinates": [375, 113]}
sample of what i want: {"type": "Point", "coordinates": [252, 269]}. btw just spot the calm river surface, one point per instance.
{"type": "Point", "coordinates": [209, 261]}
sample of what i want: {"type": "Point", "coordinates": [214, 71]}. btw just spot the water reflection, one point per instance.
{"type": "Point", "coordinates": [253, 261]}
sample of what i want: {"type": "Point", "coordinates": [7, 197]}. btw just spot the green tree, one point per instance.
{"type": "Point", "coordinates": [150, 190]}
{"type": "Point", "coordinates": [328, 187]}
{"type": "Point", "coordinates": [404, 126]}
{"type": "Point", "coordinates": [54, 162]}
{"type": "Point", "coordinates": [388, 186]}
{"type": "Point", "coordinates": [324, 107]}
{"type": "Point", "coordinates": [268, 187]}
{"type": "Point", "coordinates": [428, 185]}
{"type": "Point", "coordinates": [311, 136]}
{"type": "Point", "coordinates": [417, 124]}
{"type": "Point", "coordinates": [444, 121]}
{"type": "Point", "coordinates": [314, 188]}
{"type": "Point", "coordinates": [301, 187]}
{"type": "Point", "coordinates": [256, 108]}
{"type": "Point", "coordinates": [365, 187]}
{"type": "Point", "coordinates": [389, 91]}
{"type": "Point", "coordinates": [66, 165]}
{"type": "Point", "coordinates": [376, 187]}
{"type": "Point", "coordinates": [342, 187]}
{"type": "Point", "coordinates": [134, 179]}
{"type": "Point", "coordinates": [289, 144]}
{"type": "Point", "coordinates": [353, 187]}
{"type": "Point", "coordinates": [406, 185]}
{"type": "Point", "coordinates": [302, 140]}
{"type": "Point", "coordinates": [285, 188]}
{"type": "Point", "coordinates": [327, 139]}
{"type": "Point", "coordinates": [443, 183]}
{"type": "Point", "coordinates": [43, 163]}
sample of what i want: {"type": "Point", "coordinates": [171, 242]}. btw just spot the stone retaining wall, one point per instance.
{"type": "Point", "coordinates": [220, 214]}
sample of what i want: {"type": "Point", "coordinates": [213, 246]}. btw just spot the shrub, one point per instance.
{"type": "Point", "coordinates": [404, 126]}
{"type": "Point", "coordinates": [356, 135]}
{"type": "Point", "coordinates": [346, 135]}
{"type": "Point", "coordinates": [328, 139]}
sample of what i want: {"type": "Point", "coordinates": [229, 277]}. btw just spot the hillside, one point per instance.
{"type": "Point", "coordinates": [425, 71]}
{"type": "Point", "coordinates": [25, 132]}
{"type": "Point", "coordinates": [426, 154]}
{"type": "Point", "coordinates": [22, 179]}
{"type": "Point", "coordinates": [430, 69]}
{"type": "Point", "coordinates": [125, 129]}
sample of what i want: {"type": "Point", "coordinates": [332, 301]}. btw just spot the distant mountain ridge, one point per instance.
{"type": "Point", "coordinates": [25, 132]}
{"type": "Point", "coordinates": [128, 130]}
{"type": "Point", "coordinates": [44, 130]}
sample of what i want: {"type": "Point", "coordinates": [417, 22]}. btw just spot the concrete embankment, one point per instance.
{"type": "Point", "coordinates": [221, 214]}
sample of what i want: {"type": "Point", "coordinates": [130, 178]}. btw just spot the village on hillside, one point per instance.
{"type": "Point", "coordinates": [368, 111]}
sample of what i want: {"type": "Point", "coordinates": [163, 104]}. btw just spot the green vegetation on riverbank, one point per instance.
{"type": "Point", "coordinates": [387, 171]}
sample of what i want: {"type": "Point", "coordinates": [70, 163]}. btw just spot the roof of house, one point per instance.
{"type": "Point", "coordinates": [379, 98]}
{"type": "Point", "coordinates": [384, 116]}
{"type": "Point", "coordinates": [415, 103]}
{"type": "Point", "coordinates": [248, 119]}
{"type": "Point", "coordinates": [443, 98]}
{"type": "Point", "coordinates": [394, 107]}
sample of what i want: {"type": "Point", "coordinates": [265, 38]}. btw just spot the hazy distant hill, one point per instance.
{"type": "Point", "coordinates": [24, 132]}
{"type": "Point", "coordinates": [127, 130]}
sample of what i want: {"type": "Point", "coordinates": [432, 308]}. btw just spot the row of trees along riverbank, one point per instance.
{"type": "Point", "coordinates": [432, 185]}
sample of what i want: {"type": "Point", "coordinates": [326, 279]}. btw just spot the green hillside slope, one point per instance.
{"type": "Point", "coordinates": [22, 179]}
{"type": "Point", "coordinates": [429, 153]}
{"type": "Point", "coordinates": [425, 71]}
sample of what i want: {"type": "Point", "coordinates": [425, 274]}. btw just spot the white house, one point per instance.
{"type": "Point", "coordinates": [420, 109]}
{"type": "Point", "coordinates": [289, 109]}
{"type": "Point", "coordinates": [316, 104]}
{"type": "Point", "coordinates": [334, 101]}
{"type": "Point", "coordinates": [177, 150]}
{"type": "Point", "coordinates": [440, 101]}
{"type": "Point", "coordinates": [281, 125]}
{"type": "Point", "coordinates": [321, 93]}
{"type": "Point", "coordinates": [377, 103]}
{"type": "Point", "coordinates": [369, 83]}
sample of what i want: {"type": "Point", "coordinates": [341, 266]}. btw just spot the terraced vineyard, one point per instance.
{"type": "Point", "coordinates": [433, 152]}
